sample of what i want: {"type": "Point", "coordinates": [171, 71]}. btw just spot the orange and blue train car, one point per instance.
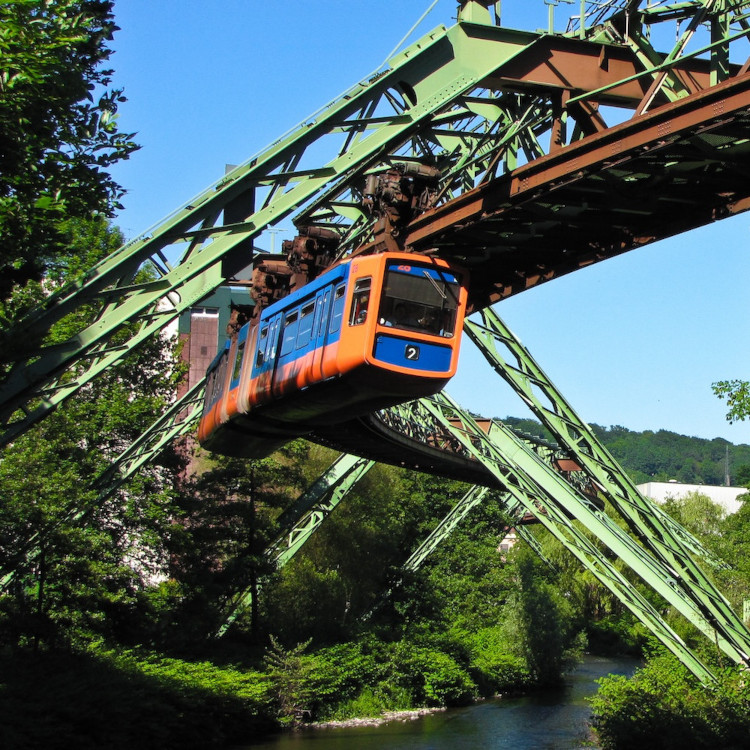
{"type": "Point", "coordinates": [369, 333]}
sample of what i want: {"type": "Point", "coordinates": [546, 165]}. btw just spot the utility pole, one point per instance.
{"type": "Point", "coordinates": [273, 233]}
{"type": "Point", "coordinates": [727, 483]}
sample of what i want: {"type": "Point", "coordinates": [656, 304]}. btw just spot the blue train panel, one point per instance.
{"type": "Point", "coordinates": [416, 355]}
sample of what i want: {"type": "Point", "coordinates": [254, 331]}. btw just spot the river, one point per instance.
{"type": "Point", "coordinates": [549, 720]}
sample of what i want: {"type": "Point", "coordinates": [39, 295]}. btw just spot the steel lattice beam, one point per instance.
{"type": "Point", "coordinates": [657, 532]}
{"type": "Point", "coordinates": [573, 435]}
{"type": "Point", "coordinates": [302, 519]}
{"type": "Point", "coordinates": [519, 471]}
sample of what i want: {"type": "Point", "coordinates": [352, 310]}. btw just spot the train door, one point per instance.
{"type": "Point", "coordinates": [238, 353]}
{"type": "Point", "coordinates": [265, 360]}
{"type": "Point", "coordinates": [331, 333]}
{"type": "Point", "coordinates": [322, 303]}
{"type": "Point", "coordinates": [284, 376]}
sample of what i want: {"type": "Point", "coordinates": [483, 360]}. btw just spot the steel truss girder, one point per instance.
{"type": "Point", "coordinates": [301, 519]}
{"type": "Point", "coordinates": [664, 538]}
{"type": "Point", "coordinates": [448, 524]}
{"type": "Point", "coordinates": [648, 178]}
{"type": "Point", "coordinates": [556, 504]}
{"type": "Point", "coordinates": [421, 81]}
{"type": "Point", "coordinates": [572, 434]}
{"type": "Point", "coordinates": [470, 98]}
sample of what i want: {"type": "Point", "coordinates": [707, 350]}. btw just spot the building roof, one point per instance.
{"type": "Point", "coordinates": [724, 496]}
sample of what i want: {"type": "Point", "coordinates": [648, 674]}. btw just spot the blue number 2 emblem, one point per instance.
{"type": "Point", "coordinates": [411, 352]}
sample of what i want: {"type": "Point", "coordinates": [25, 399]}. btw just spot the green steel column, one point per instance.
{"type": "Point", "coordinates": [520, 472]}
{"type": "Point", "coordinates": [303, 518]}
{"type": "Point", "coordinates": [663, 537]}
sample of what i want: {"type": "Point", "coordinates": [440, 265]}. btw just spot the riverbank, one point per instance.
{"type": "Point", "coordinates": [556, 719]}
{"type": "Point", "coordinates": [374, 721]}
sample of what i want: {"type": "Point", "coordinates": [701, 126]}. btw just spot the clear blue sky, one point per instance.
{"type": "Point", "coordinates": [635, 341]}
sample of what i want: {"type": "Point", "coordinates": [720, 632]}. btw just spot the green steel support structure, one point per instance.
{"type": "Point", "coordinates": [445, 528]}
{"type": "Point", "coordinates": [665, 539]}
{"type": "Point", "coordinates": [303, 518]}
{"type": "Point", "coordinates": [179, 420]}
{"type": "Point", "coordinates": [479, 102]}
{"type": "Point", "coordinates": [557, 506]}
{"type": "Point", "coordinates": [548, 404]}
{"type": "Point", "coordinates": [475, 99]}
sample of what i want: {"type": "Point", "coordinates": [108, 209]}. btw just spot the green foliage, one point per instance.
{"type": "Point", "coordinates": [290, 674]}
{"type": "Point", "coordinates": [227, 519]}
{"type": "Point", "coordinates": [493, 664]}
{"type": "Point", "coordinates": [58, 129]}
{"type": "Point", "coordinates": [663, 706]}
{"type": "Point", "coordinates": [373, 701]}
{"type": "Point", "coordinates": [102, 698]}
{"type": "Point", "coordinates": [539, 621]}
{"type": "Point", "coordinates": [432, 677]}
{"type": "Point", "coordinates": [82, 563]}
{"type": "Point", "coordinates": [663, 455]}
{"type": "Point", "coordinates": [737, 395]}
{"type": "Point", "coordinates": [697, 513]}
{"type": "Point", "coordinates": [341, 672]}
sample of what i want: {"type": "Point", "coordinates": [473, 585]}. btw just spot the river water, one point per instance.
{"type": "Point", "coordinates": [549, 720]}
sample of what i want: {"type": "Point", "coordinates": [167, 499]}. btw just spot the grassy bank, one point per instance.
{"type": "Point", "coordinates": [663, 706]}
{"type": "Point", "coordinates": [102, 698]}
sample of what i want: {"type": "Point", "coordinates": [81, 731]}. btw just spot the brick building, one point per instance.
{"type": "Point", "coordinates": [203, 328]}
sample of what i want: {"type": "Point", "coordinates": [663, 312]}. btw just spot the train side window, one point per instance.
{"type": "Point", "coordinates": [262, 339]}
{"type": "Point", "coordinates": [209, 392]}
{"type": "Point", "coordinates": [273, 335]}
{"type": "Point", "coordinates": [360, 301]}
{"type": "Point", "coordinates": [337, 311]}
{"type": "Point", "coordinates": [290, 333]}
{"type": "Point", "coordinates": [215, 383]}
{"type": "Point", "coordinates": [305, 325]}
{"type": "Point", "coordinates": [238, 361]}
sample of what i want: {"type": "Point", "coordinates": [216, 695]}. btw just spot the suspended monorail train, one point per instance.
{"type": "Point", "coordinates": [371, 332]}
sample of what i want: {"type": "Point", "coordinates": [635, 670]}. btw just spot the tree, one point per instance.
{"type": "Point", "coordinates": [58, 130]}
{"type": "Point", "coordinates": [737, 395]}
{"type": "Point", "coordinates": [697, 513]}
{"type": "Point", "coordinates": [81, 563]}
{"type": "Point", "coordinates": [228, 517]}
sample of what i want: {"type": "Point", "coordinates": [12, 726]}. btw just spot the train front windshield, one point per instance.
{"type": "Point", "coordinates": [419, 298]}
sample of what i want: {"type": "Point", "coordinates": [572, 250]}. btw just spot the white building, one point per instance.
{"type": "Point", "coordinates": [724, 496]}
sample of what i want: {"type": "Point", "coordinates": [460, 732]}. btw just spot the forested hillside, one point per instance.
{"type": "Point", "coordinates": [660, 456]}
